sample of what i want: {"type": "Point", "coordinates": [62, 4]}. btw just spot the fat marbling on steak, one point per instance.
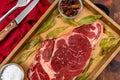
{"type": "Point", "coordinates": [66, 57]}
{"type": "Point", "coordinates": [92, 31]}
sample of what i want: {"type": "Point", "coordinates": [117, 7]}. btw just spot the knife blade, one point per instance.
{"type": "Point", "coordinates": [15, 23]}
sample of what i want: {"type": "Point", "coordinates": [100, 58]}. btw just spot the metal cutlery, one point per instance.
{"type": "Point", "coordinates": [14, 23]}
{"type": "Point", "coordinates": [20, 3]}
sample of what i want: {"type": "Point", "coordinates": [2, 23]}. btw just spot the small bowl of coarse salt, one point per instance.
{"type": "Point", "coordinates": [11, 71]}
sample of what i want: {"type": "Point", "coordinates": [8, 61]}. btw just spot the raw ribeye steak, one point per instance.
{"type": "Point", "coordinates": [63, 58]}
{"type": "Point", "coordinates": [92, 31]}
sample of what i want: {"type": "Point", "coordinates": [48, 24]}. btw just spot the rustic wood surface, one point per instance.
{"type": "Point", "coordinates": [112, 71]}
{"type": "Point", "coordinates": [102, 64]}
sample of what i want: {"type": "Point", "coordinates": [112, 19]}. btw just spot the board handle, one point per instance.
{"type": "Point", "coordinates": [7, 30]}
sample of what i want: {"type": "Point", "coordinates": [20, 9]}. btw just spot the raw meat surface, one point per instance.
{"type": "Point", "coordinates": [92, 31]}
{"type": "Point", "coordinates": [66, 57]}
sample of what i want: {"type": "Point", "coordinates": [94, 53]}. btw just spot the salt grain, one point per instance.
{"type": "Point", "coordinates": [12, 72]}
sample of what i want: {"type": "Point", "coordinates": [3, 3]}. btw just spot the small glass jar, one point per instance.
{"type": "Point", "coordinates": [70, 7]}
{"type": "Point", "coordinates": [11, 71]}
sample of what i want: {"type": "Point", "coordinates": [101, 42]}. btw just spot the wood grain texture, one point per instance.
{"type": "Point", "coordinates": [88, 9]}
{"type": "Point", "coordinates": [12, 25]}
{"type": "Point", "coordinates": [112, 71]}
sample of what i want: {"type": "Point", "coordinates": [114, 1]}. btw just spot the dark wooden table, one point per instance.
{"type": "Point", "coordinates": [112, 71]}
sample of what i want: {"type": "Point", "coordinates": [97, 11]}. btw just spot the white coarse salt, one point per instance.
{"type": "Point", "coordinates": [12, 72]}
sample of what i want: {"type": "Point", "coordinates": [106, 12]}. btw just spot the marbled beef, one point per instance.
{"type": "Point", "coordinates": [66, 57]}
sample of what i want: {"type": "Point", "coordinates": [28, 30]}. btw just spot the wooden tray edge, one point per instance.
{"type": "Point", "coordinates": [27, 36]}
{"type": "Point", "coordinates": [93, 77]}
